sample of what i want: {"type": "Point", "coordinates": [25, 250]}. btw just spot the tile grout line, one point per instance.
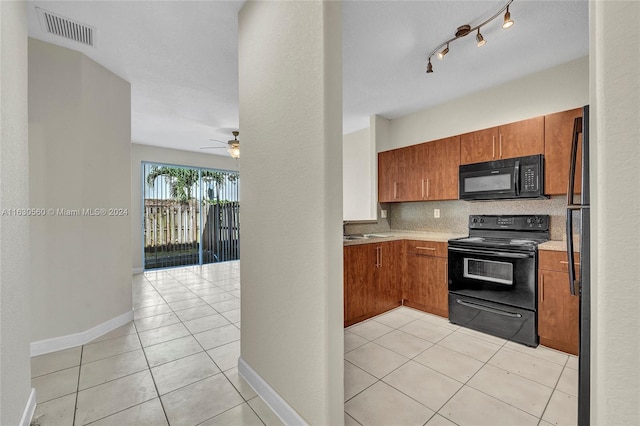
{"type": "Point", "coordinates": [244, 400]}
{"type": "Point", "coordinates": [75, 405]}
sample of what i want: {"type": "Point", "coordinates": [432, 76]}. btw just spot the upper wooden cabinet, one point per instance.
{"type": "Point", "coordinates": [476, 147]}
{"type": "Point", "coordinates": [521, 138]}
{"type": "Point", "coordinates": [558, 135]}
{"type": "Point", "coordinates": [427, 171]}
{"type": "Point", "coordinates": [398, 174]}
{"type": "Point", "coordinates": [440, 173]}
{"type": "Point", "coordinates": [388, 176]}
{"type": "Point", "coordinates": [517, 139]}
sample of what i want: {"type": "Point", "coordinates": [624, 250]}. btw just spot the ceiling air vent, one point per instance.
{"type": "Point", "coordinates": [67, 28]}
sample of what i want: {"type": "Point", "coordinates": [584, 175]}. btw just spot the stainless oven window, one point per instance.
{"type": "Point", "coordinates": [497, 182]}
{"type": "Point", "coordinates": [488, 270]}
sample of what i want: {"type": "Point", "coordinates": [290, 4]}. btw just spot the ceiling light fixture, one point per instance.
{"type": "Point", "coordinates": [234, 145]}
{"type": "Point", "coordinates": [508, 22]}
{"type": "Point", "coordinates": [464, 30]}
{"type": "Point", "coordinates": [444, 52]}
{"type": "Point", "coordinates": [481, 41]}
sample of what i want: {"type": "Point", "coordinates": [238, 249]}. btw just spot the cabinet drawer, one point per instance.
{"type": "Point", "coordinates": [555, 260]}
{"type": "Point", "coordinates": [426, 248]}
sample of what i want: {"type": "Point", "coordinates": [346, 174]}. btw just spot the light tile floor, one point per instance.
{"type": "Point", "coordinates": [406, 367]}
{"type": "Point", "coordinates": [176, 364]}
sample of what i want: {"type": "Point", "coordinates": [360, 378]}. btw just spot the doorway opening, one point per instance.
{"type": "Point", "coordinates": [191, 215]}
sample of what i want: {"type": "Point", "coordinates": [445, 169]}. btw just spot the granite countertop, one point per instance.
{"type": "Point", "coordinates": [376, 237]}
{"type": "Point", "coordinates": [404, 235]}
{"type": "Point", "coordinates": [558, 245]}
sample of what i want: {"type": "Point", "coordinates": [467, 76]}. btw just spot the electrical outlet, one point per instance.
{"type": "Point", "coordinates": [383, 214]}
{"type": "Point", "coordinates": [436, 213]}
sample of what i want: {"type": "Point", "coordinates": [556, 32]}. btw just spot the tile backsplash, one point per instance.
{"type": "Point", "coordinates": [454, 215]}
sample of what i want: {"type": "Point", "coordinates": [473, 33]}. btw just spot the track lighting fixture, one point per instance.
{"type": "Point", "coordinates": [444, 52]}
{"type": "Point", "coordinates": [508, 22]}
{"type": "Point", "coordinates": [481, 41]}
{"type": "Point", "coordinates": [463, 30]}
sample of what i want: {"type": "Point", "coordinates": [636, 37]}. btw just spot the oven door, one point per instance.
{"type": "Point", "coordinates": [499, 276]}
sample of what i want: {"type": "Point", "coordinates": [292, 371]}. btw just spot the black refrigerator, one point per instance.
{"type": "Point", "coordinates": [579, 210]}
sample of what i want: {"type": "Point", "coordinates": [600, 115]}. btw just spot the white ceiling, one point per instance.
{"type": "Point", "coordinates": [181, 57]}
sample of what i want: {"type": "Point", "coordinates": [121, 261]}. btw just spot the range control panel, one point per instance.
{"type": "Point", "coordinates": [510, 222]}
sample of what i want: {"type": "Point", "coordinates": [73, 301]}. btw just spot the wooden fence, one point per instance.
{"type": "Point", "coordinates": [172, 233]}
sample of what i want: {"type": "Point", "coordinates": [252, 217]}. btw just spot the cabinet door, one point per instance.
{"type": "Point", "coordinates": [521, 138]}
{"type": "Point", "coordinates": [389, 276]}
{"type": "Point", "coordinates": [359, 285]}
{"type": "Point", "coordinates": [443, 160]}
{"type": "Point", "coordinates": [387, 176]}
{"type": "Point", "coordinates": [426, 286]}
{"type": "Point", "coordinates": [479, 146]}
{"type": "Point", "coordinates": [558, 135]}
{"type": "Point", "coordinates": [411, 165]}
{"type": "Point", "coordinates": [557, 312]}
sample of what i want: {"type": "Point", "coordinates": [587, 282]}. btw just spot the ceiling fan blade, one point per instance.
{"type": "Point", "coordinates": [213, 147]}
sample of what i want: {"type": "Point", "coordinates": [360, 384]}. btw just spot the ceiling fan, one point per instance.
{"type": "Point", "coordinates": [233, 147]}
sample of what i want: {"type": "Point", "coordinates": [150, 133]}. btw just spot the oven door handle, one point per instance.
{"type": "Point", "coordinates": [493, 253]}
{"type": "Point", "coordinates": [488, 309]}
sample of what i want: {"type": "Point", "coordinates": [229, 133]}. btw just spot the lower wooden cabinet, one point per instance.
{"type": "Point", "coordinates": [558, 310]}
{"type": "Point", "coordinates": [426, 281]}
{"type": "Point", "coordinates": [372, 279]}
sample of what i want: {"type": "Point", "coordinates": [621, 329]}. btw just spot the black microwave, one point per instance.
{"type": "Point", "coordinates": [513, 178]}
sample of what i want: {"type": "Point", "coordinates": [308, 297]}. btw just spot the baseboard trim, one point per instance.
{"type": "Point", "coordinates": [46, 346]}
{"type": "Point", "coordinates": [29, 410]}
{"type": "Point", "coordinates": [279, 406]}
{"type": "Point", "coordinates": [137, 271]}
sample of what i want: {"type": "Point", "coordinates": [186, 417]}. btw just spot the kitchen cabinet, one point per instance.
{"type": "Point", "coordinates": [388, 176]}
{"type": "Point", "coordinates": [558, 310]}
{"type": "Point", "coordinates": [479, 146]}
{"type": "Point", "coordinates": [427, 171]}
{"type": "Point", "coordinates": [558, 135]}
{"type": "Point", "coordinates": [372, 279]}
{"type": "Point", "coordinates": [511, 140]}
{"type": "Point", "coordinates": [439, 161]}
{"type": "Point", "coordinates": [426, 281]}
{"type": "Point", "coordinates": [398, 175]}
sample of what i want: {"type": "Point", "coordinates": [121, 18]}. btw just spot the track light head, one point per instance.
{"type": "Point", "coordinates": [508, 22]}
{"type": "Point", "coordinates": [442, 53]}
{"type": "Point", "coordinates": [481, 41]}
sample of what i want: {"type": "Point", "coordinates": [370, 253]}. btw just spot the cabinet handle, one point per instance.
{"type": "Point", "coordinates": [493, 147]}
{"type": "Point", "coordinates": [446, 267]}
{"type": "Point", "coordinates": [542, 287]}
{"type": "Point", "coordinates": [500, 145]}
{"type": "Point", "coordinates": [395, 190]}
{"type": "Point", "coordinates": [564, 262]}
{"type": "Point", "coordinates": [380, 263]}
{"type": "Point", "coordinates": [422, 193]}
{"type": "Point", "coordinates": [426, 248]}
{"type": "Point", "coordinates": [427, 188]}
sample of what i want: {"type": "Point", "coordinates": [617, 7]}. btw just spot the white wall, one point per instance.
{"type": "Point", "coordinates": [556, 89]}
{"type": "Point", "coordinates": [291, 196]}
{"type": "Point", "coordinates": [140, 153]}
{"type": "Point", "coordinates": [358, 163]}
{"type": "Point", "coordinates": [615, 156]}
{"type": "Point", "coordinates": [79, 148]}
{"type": "Point", "coordinates": [15, 369]}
